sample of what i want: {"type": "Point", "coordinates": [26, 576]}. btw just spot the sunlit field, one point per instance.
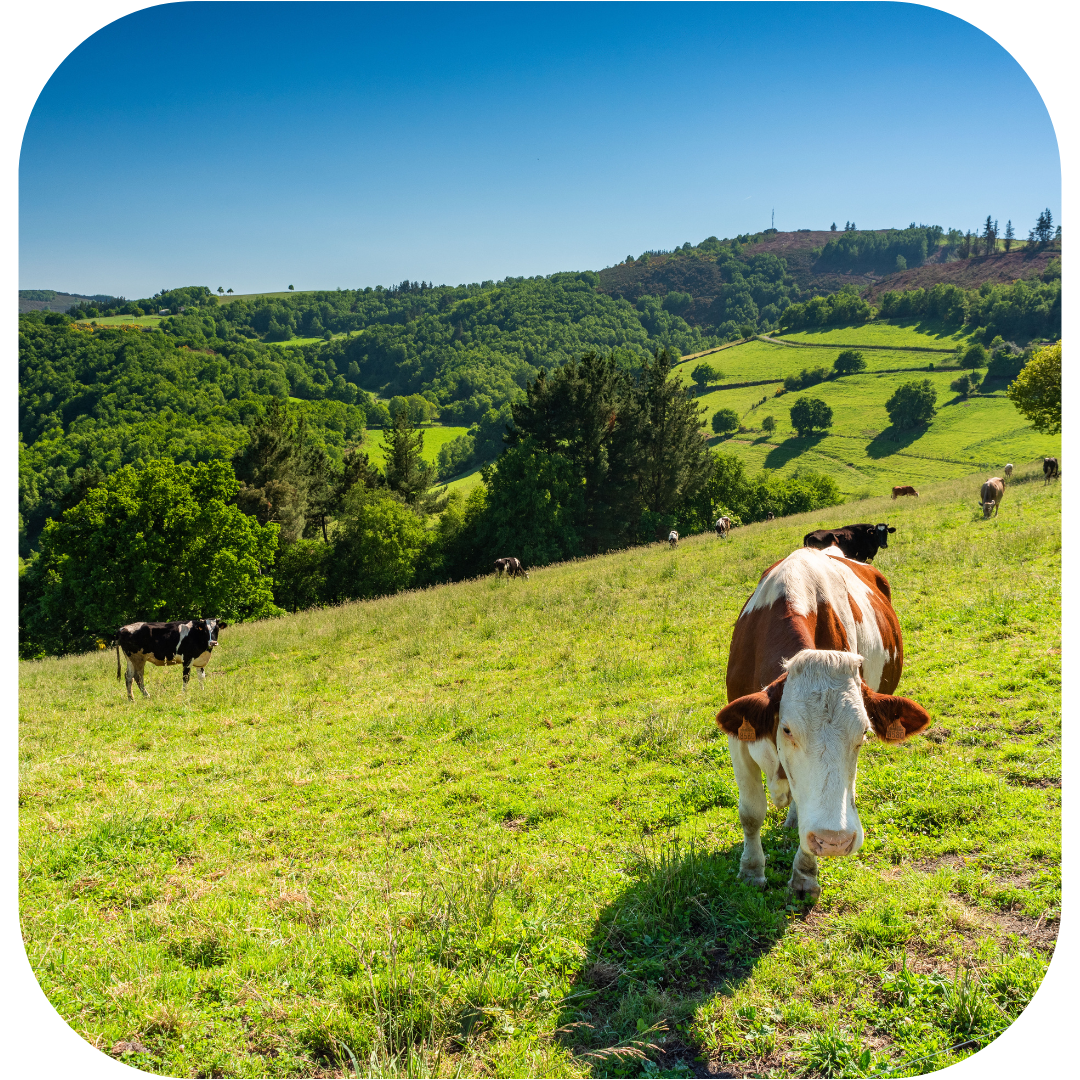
{"type": "Point", "coordinates": [490, 829]}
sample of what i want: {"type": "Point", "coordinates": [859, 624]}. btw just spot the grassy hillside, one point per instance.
{"type": "Point", "coordinates": [490, 829]}
{"type": "Point", "coordinates": [435, 436]}
{"type": "Point", "coordinates": [861, 450]}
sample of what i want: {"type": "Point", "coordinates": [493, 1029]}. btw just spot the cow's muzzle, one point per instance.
{"type": "Point", "coordinates": [828, 842]}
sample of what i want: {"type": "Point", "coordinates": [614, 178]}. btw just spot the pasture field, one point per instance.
{"type": "Point", "coordinates": [490, 828]}
{"type": "Point", "coordinates": [125, 320]}
{"type": "Point", "coordinates": [861, 451]}
{"type": "Point", "coordinates": [917, 333]}
{"type": "Point", "coordinates": [435, 436]}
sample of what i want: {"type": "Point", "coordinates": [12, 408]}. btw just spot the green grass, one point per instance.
{"type": "Point", "coordinates": [128, 320]}
{"type": "Point", "coordinates": [435, 437]}
{"type": "Point", "coordinates": [226, 299]}
{"type": "Point", "coordinates": [910, 332]}
{"type": "Point", "coordinates": [861, 451]}
{"type": "Point", "coordinates": [489, 828]}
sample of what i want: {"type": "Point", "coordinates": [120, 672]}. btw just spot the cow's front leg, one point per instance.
{"type": "Point", "coordinates": [187, 672]}
{"type": "Point", "coordinates": [804, 879]}
{"type": "Point", "coordinates": [752, 807]}
{"type": "Point", "coordinates": [136, 669]}
{"type": "Point", "coordinates": [202, 674]}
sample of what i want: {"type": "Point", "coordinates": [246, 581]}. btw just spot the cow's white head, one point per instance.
{"type": "Point", "coordinates": [819, 713]}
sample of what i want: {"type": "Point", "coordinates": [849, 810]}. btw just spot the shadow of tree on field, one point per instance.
{"type": "Point", "coordinates": [682, 931]}
{"type": "Point", "coordinates": [891, 440]}
{"type": "Point", "coordinates": [790, 448]}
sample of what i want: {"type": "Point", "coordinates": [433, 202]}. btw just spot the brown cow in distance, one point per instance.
{"type": "Point", "coordinates": [990, 495]}
{"type": "Point", "coordinates": [907, 490]}
{"type": "Point", "coordinates": [820, 635]}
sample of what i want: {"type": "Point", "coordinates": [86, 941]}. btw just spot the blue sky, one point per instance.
{"type": "Point", "coordinates": [257, 145]}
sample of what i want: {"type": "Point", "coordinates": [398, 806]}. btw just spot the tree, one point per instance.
{"type": "Point", "coordinates": [768, 425]}
{"type": "Point", "coordinates": [1010, 236]}
{"type": "Point", "coordinates": [228, 290]}
{"type": "Point", "coordinates": [160, 542]}
{"type": "Point", "coordinates": [220, 289]}
{"type": "Point", "coordinates": [849, 362]}
{"type": "Point", "coordinates": [408, 475]}
{"type": "Point", "coordinates": [911, 404]}
{"type": "Point", "coordinates": [975, 356]}
{"type": "Point", "coordinates": [832, 227]}
{"type": "Point", "coordinates": [966, 385]}
{"type": "Point", "coordinates": [672, 457]}
{"type": "Point", "coordinates": [901, 263]}
{"type": "Point", "coordinates": [989, 235]}
{"type": "Point", "coordinates": [1036, 392]}
{"type": "Point", "coordinates": [290, 288]}
{"type": "Point", "coordinates": [704, 374]}
{"type": "Point", "coordinates": [376, 548]}
{"type": "Point", "coordinates": [808, 414]}
{"type": "Point", "coordinates": [1044, 228]}
{"type": "Point", "coordinates": [725, 422]}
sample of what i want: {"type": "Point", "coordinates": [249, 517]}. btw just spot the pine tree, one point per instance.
{"type": "Point", "coordinates": [1009, 236]}
{"type": "Point", "coordinates": [408, 475]}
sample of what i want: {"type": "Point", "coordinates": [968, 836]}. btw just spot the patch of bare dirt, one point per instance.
{"type": "Point", "coordinates": [999, 269]}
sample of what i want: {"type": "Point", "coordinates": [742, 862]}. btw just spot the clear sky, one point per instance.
{"type": "Point", "coordinates": [255, 146]}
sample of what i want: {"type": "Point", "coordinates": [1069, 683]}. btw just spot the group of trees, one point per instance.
{"type": "Point", "coordinates": [855, 250]}
{"type": "Point", "coordinates": [594, 457]}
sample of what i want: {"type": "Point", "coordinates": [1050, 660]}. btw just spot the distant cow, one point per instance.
{"type": "Point", "coordinates": [990, 495]}
{"type": "Point", "coordinates": [673, 538]}
{"type": "Point", "coordinates": [164, 643]}
{"type": "Point", "coordinates": [906, 490]}
{"type": "Point", "coordinates": [1008, 471]}
{"type": "Point", "coordinates": [770, 516]}
{"type": "Point", "coordinates": [512, 567]}
{"type": "Point", "coordinates": [1050, 469]}
{"type": "Point", "coordinates": [815, 658]}
{"type": "Point", "coordinates": [858, 542]}
{"type": "Point", "coordinates": [723, 526]}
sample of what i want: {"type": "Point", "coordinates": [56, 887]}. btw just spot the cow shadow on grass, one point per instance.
{"type": "Point", "coordinates": [683, 930]}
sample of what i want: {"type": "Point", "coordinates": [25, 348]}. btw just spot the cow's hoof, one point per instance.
{"type": "Point", "coordinates": [755, 877]}
{"type": "Point", "coordinates": [804, 887]}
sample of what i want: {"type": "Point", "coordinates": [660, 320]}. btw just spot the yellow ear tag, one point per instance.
{"type": "Point", "coordinates": [895, 732]}
{"type": "Point", "coordinates": [747, 732]}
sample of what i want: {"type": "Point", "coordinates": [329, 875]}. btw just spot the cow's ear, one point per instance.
{"type": "Point", "coordinates": [893, 529]}
{"type": "Point", "coordinates": [222, 624]}
{"type": "Point", "coordinates": [753, 716]}
{"type": "Point", "coordinates": [894, 718]}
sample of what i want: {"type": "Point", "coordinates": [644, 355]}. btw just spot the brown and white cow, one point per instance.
{"type": "Point", "coordinates": [723, 526]}
{"type": "Point", "coordinates": [906, 490]}
{"type": "Point", "coordinates": [673, 538]}
{"type": "Point", "coordinates": [815, 657]}
{"type": "Point", "coordinates": [990, 495]}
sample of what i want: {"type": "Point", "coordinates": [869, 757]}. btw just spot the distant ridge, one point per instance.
{"type": "Point", "coordinates": [54, 300]}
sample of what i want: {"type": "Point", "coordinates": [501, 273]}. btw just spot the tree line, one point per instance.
{"type": "Point", "coordinates": [594, 457]}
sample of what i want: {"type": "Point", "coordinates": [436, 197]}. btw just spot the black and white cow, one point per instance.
{"type": "Point", "coordinates": [858, 542]}
{"type": "Point", "coordinates": [511, 567]}
{"type": "Point", "coordinates": [723, 526]}
{"type": "Point", "coordinates": [189, 643]}
{"type": "Point", "coordinates": [673, 538]}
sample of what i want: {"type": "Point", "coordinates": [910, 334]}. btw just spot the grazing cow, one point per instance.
{"type": "Point", "coordinates": [1008, 471]}
{"type": "Point", "coordinates": [815, 657]}
{"type": "Point", "coordinates": [859, 542]}
{"type": "Point", "coordinates": [770, 516]}
{"type": "Point", "coordinates": [164, 643]}
{"type": "Point", "coordinates": [990, 495]}
{"type": "Point", "coordinates": [512, 567]}
{"type": "Point", "coordinates": [723, 526]}
{"type": "Point", "coordinates": [1050, 469]}
{"type": "Point", "coordinates": [673, 538]}
{"type": "Point", "coordinates": [904, 491]}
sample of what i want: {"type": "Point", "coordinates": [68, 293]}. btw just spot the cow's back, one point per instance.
{"type": "Point", "coordinates": [813, 600]}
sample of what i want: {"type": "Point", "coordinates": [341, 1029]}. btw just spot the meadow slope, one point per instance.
{"type": "Point", "coordinates": [489, 828]}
